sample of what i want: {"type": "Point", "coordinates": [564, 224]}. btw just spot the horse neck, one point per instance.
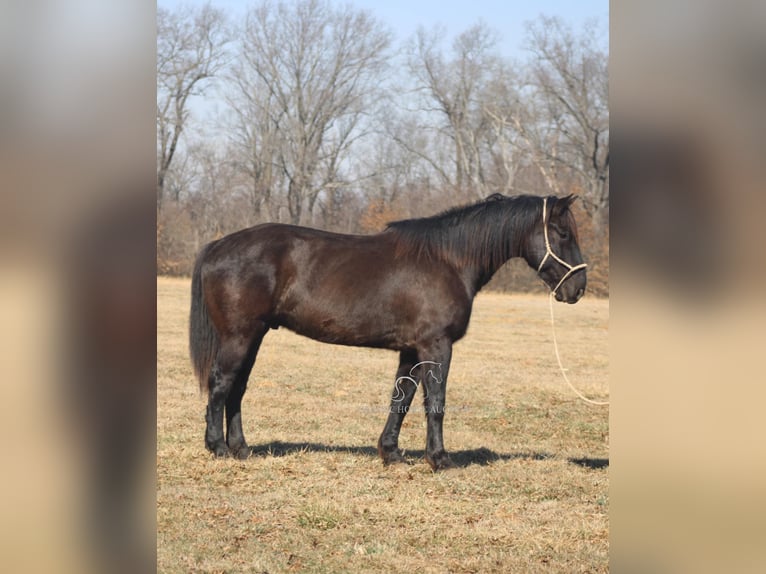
{"type": "Point", "coordinates": [493, 253]}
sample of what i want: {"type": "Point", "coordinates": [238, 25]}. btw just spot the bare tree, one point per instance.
{"type": "Point", "coordinates": [570, 126]}
{"type": "Point", "coordinates": [525, 138]}
{"type": "Point", "coordinates": [453, 90]}
{"type": "Point", "coordinates": [253, 137]}
{"type": "Point", "coordinates": [190, 50]}
{"type": "Point", "coordinates": [308, 74]}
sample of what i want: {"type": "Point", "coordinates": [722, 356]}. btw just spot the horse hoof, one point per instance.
{"type": "Point", "coordinates": [240, 452]}
{"type": "Point", "coordinates": [393, 457]}
{"type": "Point", "coordinates": [440, 462]}
{"type": "Point", "coordinates": [220, 451]}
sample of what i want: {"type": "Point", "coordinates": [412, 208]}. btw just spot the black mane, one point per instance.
{"type": "Point", "coordinates": [483, 234]}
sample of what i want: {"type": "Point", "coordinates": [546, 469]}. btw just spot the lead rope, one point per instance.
{"type": "Point", "coordinates": [561, 366]}
{"type": "Point", "coordinates": [572, 269]}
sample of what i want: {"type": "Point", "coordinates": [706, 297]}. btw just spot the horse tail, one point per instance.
{"type": "Point", "coordinates": [203, 340]}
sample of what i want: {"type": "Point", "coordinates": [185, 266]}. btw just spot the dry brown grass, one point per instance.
{"type": "Point", "coordinates": [530, 493]}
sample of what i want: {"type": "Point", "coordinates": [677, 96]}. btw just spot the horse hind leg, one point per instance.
{"type": "Point", "coordinates": [227, 383]}
{"type": "Point", "coordinates": [235, 438]}
{"type": "Point", "coordinates": [219, 384]}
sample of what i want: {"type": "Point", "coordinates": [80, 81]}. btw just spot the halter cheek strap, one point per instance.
{"type": "Point", "coordinates": [549, 253]}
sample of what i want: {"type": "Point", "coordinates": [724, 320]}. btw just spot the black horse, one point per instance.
{"type": "Point", "coordinates": [409, 289]}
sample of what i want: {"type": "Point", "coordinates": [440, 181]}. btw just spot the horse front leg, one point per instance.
{"type": "Point", "coordinates": [434, 366]}
{"type": "Point", "coordinates": [404, 391]}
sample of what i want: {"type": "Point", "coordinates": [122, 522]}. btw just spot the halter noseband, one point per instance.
{"type": "Point", "coordinates": [549, 253]}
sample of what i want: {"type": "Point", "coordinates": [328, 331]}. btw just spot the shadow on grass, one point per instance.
{"type": "Point", "coordinates": [279, 448]}
{"type": "Point", "coordinates": [592, 463]}
{"type": "Point", "coordinates": [461, 458]}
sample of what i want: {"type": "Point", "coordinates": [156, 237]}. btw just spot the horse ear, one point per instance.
{"type": "Point", "coordinates": [563, 203]}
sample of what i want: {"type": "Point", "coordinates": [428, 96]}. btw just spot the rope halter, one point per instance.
{"type": "Point", "coordinates": [549, 253]}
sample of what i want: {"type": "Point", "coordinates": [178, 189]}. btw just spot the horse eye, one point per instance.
{"type": "Point", "coordinates": [564, 234]}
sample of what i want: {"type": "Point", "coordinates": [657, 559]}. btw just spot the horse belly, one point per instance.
{"type": "Point", "coordinates": [367, 301]}
{"type": "Point", "coordinates": [359, 326]}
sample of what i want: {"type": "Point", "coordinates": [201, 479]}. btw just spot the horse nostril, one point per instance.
{"type": "Point", "coordinates": [580, 292]}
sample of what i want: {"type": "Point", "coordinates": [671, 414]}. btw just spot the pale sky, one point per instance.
{"type": "Point", "coordinates": [505, 16]}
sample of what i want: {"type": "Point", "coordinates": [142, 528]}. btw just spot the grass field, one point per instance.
{"type": "Point", "coordinates": [529, 494]}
